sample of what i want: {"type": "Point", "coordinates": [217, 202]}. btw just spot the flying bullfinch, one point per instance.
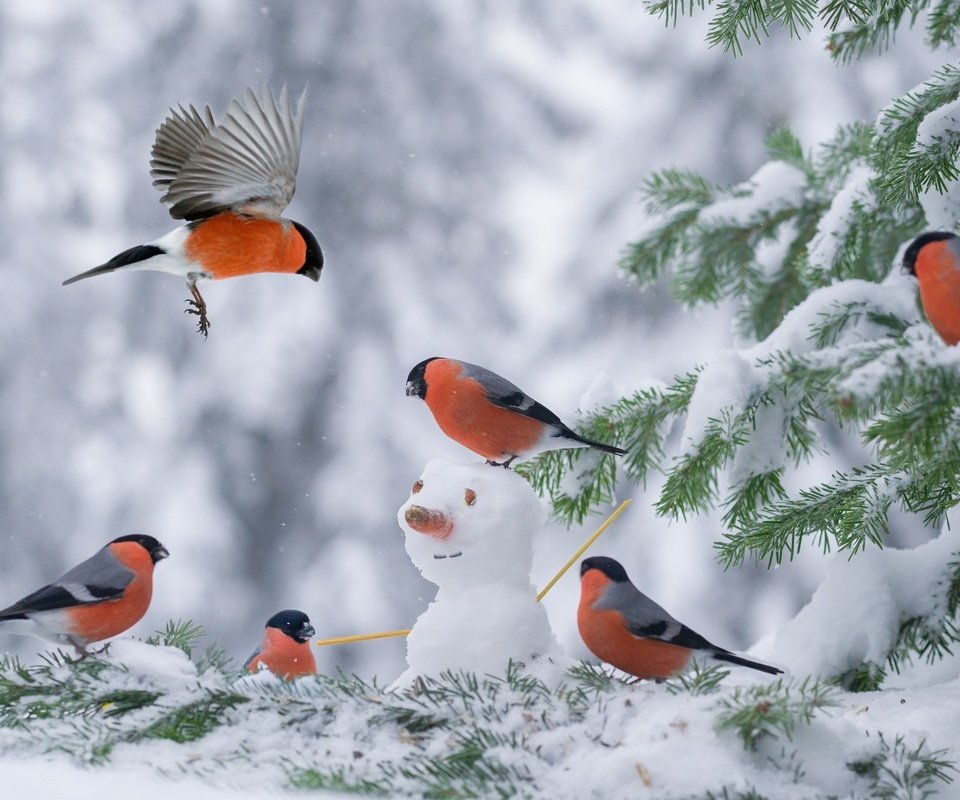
{"type": "Point", "coordinates": [625, 628]}
{"type": "Point", "coordinates": [97, 599]}
{"type": "Point", "coordinates": [285, 647]}
{"type": "Point", "coordinates": [934, 258]}
{"type": "Point", "coordinates": [489, 415]}
{"type": "Point", "coordinates": [229, 181]}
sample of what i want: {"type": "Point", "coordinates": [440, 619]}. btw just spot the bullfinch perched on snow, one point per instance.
{"type": "Point", "coordinates": [97, 599]}
{"type": "Point", "coordinates": [622, 626]}
{"type": "Point", "coordinates": [285, 647]}
{"type": "Point", "coordinates": [489, 415]}
{"type": "Point", "coordinates": [229, 181]}
{"type": "Point", "coordinates": [934, 258]}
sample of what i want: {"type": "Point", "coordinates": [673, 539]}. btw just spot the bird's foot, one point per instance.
{"type": "Point", "coordinates": [505, 464]}
{"type": "Point", "coordinates": [82, 653]}
{"type": "Point", "coordinates": [203, 324]}
{"type": "Point", "coordinates": [199, 309]}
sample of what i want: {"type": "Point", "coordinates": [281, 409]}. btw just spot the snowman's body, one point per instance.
{"type": "Point", "coordinates": [469, 529]}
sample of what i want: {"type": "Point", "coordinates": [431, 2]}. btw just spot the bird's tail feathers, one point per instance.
{"type": "Point", "coordinates": [606, 448]}
{"type": "Point", "coordinates": [733, 658]}
{"type": "Point", "coordinates": [134, 255]}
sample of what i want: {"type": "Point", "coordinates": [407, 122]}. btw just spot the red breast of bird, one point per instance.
{"type": "Point", "coordinates": [937, 268]}
{"type": "Point", "coordinates": [228, 245]}
{"type": "Point", "coordinates": [283, 655]}
{"type": "Point", "coordinates": [605, 633]}
{"type": "Point", "coordinates": [460, 405]}
{"type": "Point", "coordinates": [95, 622]}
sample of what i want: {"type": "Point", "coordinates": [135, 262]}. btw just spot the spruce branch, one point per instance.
{"type": "Point", "coordinates": [943, 23]}
{"type": "Point", "coordinates": [909, 168]}
{"type": "Point", "coordinates": [900, 772]}
{"type": "Point", "coordinates": [871, 34]}
{"type": "Point", "coordinates": [845, 512]}
{"type": "Point", "coordinates": [865, 677]}
{"type": "Point", "coordinates": [699, 680]}
{"type": "Point", "coordinates": [855, 27]}
{"type": "Point", "coordinates": [182, 634]}
{"type": "Point", "coordinates": [772, 710]}
{"type": "Point", "coordinates": [194, 720]}
{"type": "Point", "coordinates": [691, 485]}
{"type": "Point", "coordinates": [931, 638]}
{"type": "Point", "coordinates": [577, 481]}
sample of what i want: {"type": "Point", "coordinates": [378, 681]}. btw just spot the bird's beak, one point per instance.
{"type": "Point", "coordinates": [411, 388]}
{"type": "Point", "coordinates": [307, 632]}
{"type": "Point", "coordinates": [311, 272]}
{"type": "Point", "coordinates": [161, 553]}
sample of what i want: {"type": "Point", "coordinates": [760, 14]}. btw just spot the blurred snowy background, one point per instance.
{"type": "Point", "coordinates": [472, 172]}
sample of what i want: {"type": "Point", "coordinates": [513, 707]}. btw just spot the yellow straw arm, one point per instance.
{"type": "Point", "coordinates": [361, 637]}
{"type": "Point", "coordinates": [583, 548]}
{"type": "Point", "coordinates": [366, 637]}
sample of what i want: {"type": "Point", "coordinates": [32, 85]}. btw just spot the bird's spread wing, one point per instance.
{"type": "Point", "coordinates": [99, 578]}
{"type": "Point", "coordinates": [178, 137]}
{"type": "Point", "coordinates": [646, 619]}
{"type": "Point", "coordinates": [248, 163]}
{"type": "Point", "coordinates": [502, 393]}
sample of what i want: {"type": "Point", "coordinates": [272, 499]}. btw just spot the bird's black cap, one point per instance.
{"type": "Point", "coordinates": [612, 569]}
{"type": "Point", "coordinates": [294, 623]}
{"type": "Point", "coordinates": [910, 256]}
{"type": "Point", "coordinates": [416, 382]}
{"type": "Point", "coordinates": [156, 550]}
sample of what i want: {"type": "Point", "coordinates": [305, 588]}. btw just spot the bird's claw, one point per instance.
{"type": "Point", "coordinates": [199, 310]}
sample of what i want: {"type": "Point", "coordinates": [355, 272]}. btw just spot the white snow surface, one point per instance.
{"type": "Point", "coordinates": [636, 740]}
{"type": "Point", "coordinates": [775, 186]}
{"type": "Point", "coordinates": [486, 610]}
{"type": "Point", "coordinates": [834, 224]}
{"type": "Point", "coordinates": [940, 129]}
{"type": "Point", "coordinates": [874, 592]}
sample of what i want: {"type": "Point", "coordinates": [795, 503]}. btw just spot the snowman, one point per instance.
{"type": "Point", "coordinates": [469, 529]}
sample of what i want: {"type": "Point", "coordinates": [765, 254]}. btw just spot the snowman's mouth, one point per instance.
{"type": "Point", "coordinates": [452, 555]}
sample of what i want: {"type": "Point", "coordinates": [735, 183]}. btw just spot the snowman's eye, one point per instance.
{"type": "Point", "coordinates": [417, 487]}
{"type": "Point", "coordinates": [469, 497]}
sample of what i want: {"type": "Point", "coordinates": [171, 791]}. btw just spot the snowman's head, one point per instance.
{"type": "Point", "coordinates": [466, 525]}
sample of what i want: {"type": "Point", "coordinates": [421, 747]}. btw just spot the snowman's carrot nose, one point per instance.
{"type": "Point", "coordinates": [429, 521]}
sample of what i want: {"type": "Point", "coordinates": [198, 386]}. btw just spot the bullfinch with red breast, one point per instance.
{"type": "Point", "coordinates": [285, 647]}
{"type": "Point", "coordinates": [934, 258]}
{"type": "Point", "coordinates": [489, 415]}
{"type": "Point", "coordinates": [229, 181]}
{"type": "Point", "coordinates": [97, 599]}
{"type": "Point", "coordinates": [622, 626]}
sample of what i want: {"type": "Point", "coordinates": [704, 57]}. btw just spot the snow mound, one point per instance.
{"type": "Point", "coordinates": [855, 614]}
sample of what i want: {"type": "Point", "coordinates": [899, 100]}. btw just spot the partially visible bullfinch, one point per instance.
{"type": "Point", "coordinates": [489, 415]}
{"type": "Point", "coordinates": [622, 626]}
{"type": "Point", "coordinates": [97, 599]}
{"type": "Point", "coordinates": [285, 647]}
{"type": "Point", "coordinates": [229, 181]}
{"type": "Point", "coordinates": [934, 258]}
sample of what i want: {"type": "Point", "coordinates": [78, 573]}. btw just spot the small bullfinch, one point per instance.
{"type": "Point", "coordinates": [934, 258]}
{"type": "Point", "coordinates": [97, 599]}
{"type": "Point", "coordinates": [285, 647]}
{"type": "Point", "coordinates": [229, 181]}
{"type": "Point", "coordinates": [625, 628]}
{"type": "Point", "coordinates": [489, 415]}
